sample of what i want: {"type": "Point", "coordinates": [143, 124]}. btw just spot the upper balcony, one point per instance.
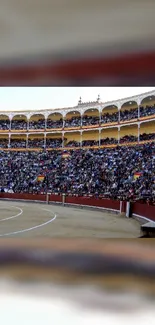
{"type": "Point", "coordinates": [91, 115]}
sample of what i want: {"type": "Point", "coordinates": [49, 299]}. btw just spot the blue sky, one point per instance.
{"type": "Point", "coordinates": [33, 98]}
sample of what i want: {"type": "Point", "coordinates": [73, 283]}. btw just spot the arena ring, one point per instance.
{"type": "Point", "coordinates": [27, 219]}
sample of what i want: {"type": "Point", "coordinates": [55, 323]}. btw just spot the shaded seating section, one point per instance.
{"type": "Point", "coordinates": [145, 136]}
{"type": "Point", "coordinates": [90, 120]}
{"type": "Point", "coordinates": [128, 138]}
{"type": "Point", "coordinates": [36, 143]}
{"type": "Point", "coordinates": [128, 115]}
{"type": "Point", "coordinates": [40, 124]}
{"type": "Point", "coordinates": [90, 143]}
{"type": "Point", "coordinates": [54, 143]}
{"type": "Point", "coordinates": [109, 141]}
{"type": "Point", "coordinates": [19, 125]}
{"type": "Point", "coordinates": [74, 121]}
{"type": "Point", "coordinates": [4, 124]}
{"type": "Point", "coordinates": [73, 144]}
{"type": "Point", "coordinates": [109, 118]}
{"type": "Point", "coordinates": [4, 143]}
{"type": "Point", "coordinates": [147, 111]}
{"type": "Point", "coordinates": [17, 143]}
{"type": "Point", "coordinates": [54, 124]}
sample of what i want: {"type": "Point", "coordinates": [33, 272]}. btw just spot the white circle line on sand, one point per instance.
{"type": "Point", "coordinates": [12, 217]}
{"type": "Point", "coordinates": [32, 228]}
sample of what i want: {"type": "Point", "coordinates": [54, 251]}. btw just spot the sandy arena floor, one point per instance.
{"type": "Point", "coordinates": [20, 219]}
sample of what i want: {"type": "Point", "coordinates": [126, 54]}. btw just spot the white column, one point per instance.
{"type": "Point", "coordinates": [81, 120]}
{"type": "Point", "coordinates": [44, 140]}
{"type": "Point", "coordinates": [28, 124]}
{"type": "Point", "coordinates": [81, 139]}
{"type": "Point", "coordinates": [9, 139]}
{"type": "Point", "coordinates": [119, 116]}
{"type": "Point", "coordinates": [27, 139]}
{"type": "Point", "coordinates": [138, 111]}
{"type": "Point", "coordinates": [118, 135]}
{"type": "Point", "coordinates": [138, 132]}
{"type": "Point", "coordinates": [62, 139]}
{"type": "Point", "coordinates": [99, 138]}
{"type": "Point", "coordinates": [10, 123]}
{"type": "Point", "coordinates": [45, 123]}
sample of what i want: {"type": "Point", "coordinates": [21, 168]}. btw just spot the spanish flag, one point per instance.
{"type": "Point", "coordinates": [40, 178]}
{"type": "Point", "coordinates": [137, 175]}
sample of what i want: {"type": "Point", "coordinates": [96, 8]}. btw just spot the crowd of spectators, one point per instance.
{"type": "Point", "coordinates": [36, 143]}
{"type": "Point", "coordinates": [108, 172]}
{"type": "Point", "coordinates": [90, 120]}
{"type": "Point", "coordinates": [19, 125]}
{"type": "Point", "coordinates": [36, 125]}
{"type": "Point", "coordinates": [127, 115]}
{"type": "Point", "coordinates": [17, 143]}
{"type": "Point", "coordinates": [90, 143]}
{"type": "Point", "coordinates": [107, 141]}
{"type": "Point", "coordinates": [73, 122]}
{"type": "Point", "coordinates": [147, 136]}
{"type": "Point", "coordinates": [147, 111]}
{"type": "Point", "coordinates": [54, 124]}
{"type": "Point", "coordinates": [4, 143]}
{"type": "Point", "coordinates": [53, 143]}
{"type": "Point", "coordinates": [128, 138]}
{"type": "Point", "coordinates": [4, 124]}
{"type": "Point", "coordinates": [109, 118]}
{"type": "Point", "coordinates": [73, 143]}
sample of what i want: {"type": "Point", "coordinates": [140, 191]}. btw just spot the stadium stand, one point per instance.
{"type": "Point", "coordinates": [115, 161]}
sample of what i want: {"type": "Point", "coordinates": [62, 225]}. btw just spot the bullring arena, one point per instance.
{"type": "Point", "coordinates": [21, 219]}
{"type": "Point", "coordinates": [100, 155]}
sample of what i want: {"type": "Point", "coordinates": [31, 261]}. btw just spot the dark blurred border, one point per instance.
{"type": "Point", "coordinates": [113, 69]}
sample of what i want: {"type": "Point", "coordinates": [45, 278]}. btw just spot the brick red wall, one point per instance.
{"type": "Point", "coordinates": [144, 210]}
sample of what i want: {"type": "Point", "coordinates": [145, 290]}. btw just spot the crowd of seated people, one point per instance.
{"type": "Point", "coordinates": [145, 136]}
{"type": "Point", "coordinates": [36, 143]}
{"type": "Point", "coordinates": [147, 111]}
{"type": "Point", "coordinates": [90, 143]}
{"type": "Point", "coordinates": [109, 118]}
{"type": "Point", "coordinates": [107, 172]}
{"type": "Point", "coordinates": [128, 138]}
{"type": "Point", "coordinates": [4, 143]}
{"type": "Point", "coordinates": [73, 143]}
{"type": "Point", "coordinates": [54, 124]}
{"type": "Point", "coordinates": [40, 124]}
{"type": "Point", "coordinates": [53, 143]}
{"type": "Point", "coordinates": [90, 120]}
{"type": "Point", "coordinates": [107, 141]}
{"type": "Point", "coordinates": [19, 125]}
{"type": "Point", "coordinates": [4, 124]}
{"type": "Point", "coordinates": [73, 122]}
{"type": "Point", "coordinates": [128, 115]}
{"type": "Point", "coordinates": [17, 143]}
